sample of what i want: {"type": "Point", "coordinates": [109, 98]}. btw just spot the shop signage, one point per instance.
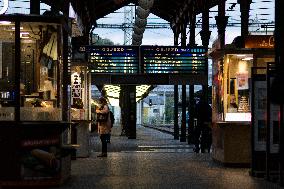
{"type": "Point", "coordinates": [76, 85]}
{"type": "Point", "coordinates": [5, 6]}
{"type": "Point", "coordinates": [259, 41]}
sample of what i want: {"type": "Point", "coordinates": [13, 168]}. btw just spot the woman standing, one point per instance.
{"type": "Point", "coordinates": [104, 127]}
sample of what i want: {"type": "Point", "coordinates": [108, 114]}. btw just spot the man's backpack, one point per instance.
{"type": "Point", "coordinates": [111, 118]}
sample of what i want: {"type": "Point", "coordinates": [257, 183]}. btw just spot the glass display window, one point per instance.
{"type": "Point", "coordinates": [7, 72]}
{"type": "Point", "coordinates": [232, 84]}
{"type": "Point", "coordinates": [31, 68]}
{"type": "Point", "coordinates": [231, 87]}
{"type": "Point", "coordinates": [40, 65]}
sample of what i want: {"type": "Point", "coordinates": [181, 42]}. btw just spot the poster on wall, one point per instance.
{"type": "Point", "coordinates": [242, 81]}
{"type": "Point", "coordinates": [259, 115]}
{"type": "Point", "coordinates": [274, 124]}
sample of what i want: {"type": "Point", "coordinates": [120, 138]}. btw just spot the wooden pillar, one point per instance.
{"type": "Point", "coordinates": [244, 8]}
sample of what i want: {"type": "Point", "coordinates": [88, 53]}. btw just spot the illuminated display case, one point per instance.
{"type": "Point", "coordinates": [31, 121]}
{"type": "Point", "coordinates": [38, 74]}
{"type": "Point", "coordinates": [232, 96]}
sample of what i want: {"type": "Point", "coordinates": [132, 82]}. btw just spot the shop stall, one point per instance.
{"type": "Point", "coordinates": [31, 116]}
{"type": "Point", "coordinates": [232, 97]}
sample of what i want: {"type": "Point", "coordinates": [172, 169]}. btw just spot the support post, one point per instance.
{"type": "Point", "coordinates": [221, 22]}
{"type": "Point", "coordinates": [183, 120]}
{"type": "Point", "coordinates": [66, 76]}
{"type": "Point", "coordinates": [17, 71]}
{"type": "Point", "coordinates": [205, 37]}
{"type": "Point", "coordinates": [176, 126]}
{"type": "Point", "coordinates": [191, 114]}
{"type": "Point", "coordinates": [192, 28]}
{"type": "Point", "coordinates": [244, 8]}
{"type": "Point", "coordinates": [277, 85]}
{"type": "Point", "coordinates": [131, 119]}
{"type": "Point", "coordinates": [35, 7]}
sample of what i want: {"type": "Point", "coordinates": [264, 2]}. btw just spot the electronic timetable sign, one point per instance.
{"type": "Point", "coordinates": [113, 59]}
{"type": "Point", "coordinates": [147, 59]}
{"type": "Point", "coordinates": [174, 59]}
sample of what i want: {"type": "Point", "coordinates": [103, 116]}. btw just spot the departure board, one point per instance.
{"type": "Point", "coordinates": [174, 59]}
{"type": "Point", "coordinates": [113, 59]}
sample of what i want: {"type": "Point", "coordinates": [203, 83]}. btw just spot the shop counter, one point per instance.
{"type": "Point", "coordinates": [231, 143]}
{"type": "Point", "coordinates": [80, 137]}
{"type": "Point", "coordinates": [32, 154]}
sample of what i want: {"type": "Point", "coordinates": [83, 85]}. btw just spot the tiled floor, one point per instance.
{"type": "Point", "coordinates": [155, 160]}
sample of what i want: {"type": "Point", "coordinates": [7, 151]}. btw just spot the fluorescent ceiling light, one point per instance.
{"type": "Point", "coordinates": [241, 55]}
{"type": "Point", "coordinates": [21, 28]}
{"type": "Point", "coordinates": [5, 22]}
{"type": "Point", "coordinates": [24, 35]}
{"type": "Point", "coordinates": [247, 58]}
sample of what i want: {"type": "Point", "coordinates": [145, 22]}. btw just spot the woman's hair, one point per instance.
{"type": "Point", "coordinates": [103, 100]}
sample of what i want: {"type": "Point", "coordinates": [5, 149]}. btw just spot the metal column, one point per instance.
{"type": "Point", "coordinates": [191, 114]}
{"type": "Point", "coordinates": [176, 127]}
{"type": "Point", "coordinates": [35, 7]}
{"type": "Point", "coordinates": [183, 104]}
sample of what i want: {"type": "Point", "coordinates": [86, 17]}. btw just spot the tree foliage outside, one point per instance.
{"type": "Point", "coordinates": [169, 109]}
{"type": "Point", "coordinates": [97, 40]}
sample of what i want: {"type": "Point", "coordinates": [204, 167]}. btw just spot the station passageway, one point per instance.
{"type": "Point", "coordinates": [155, 160]}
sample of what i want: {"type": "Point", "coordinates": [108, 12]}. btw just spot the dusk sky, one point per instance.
{"type": "Point", "coordinates": [261, 12]}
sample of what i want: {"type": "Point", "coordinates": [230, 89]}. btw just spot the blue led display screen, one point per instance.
{"type": "Point", "coordinates": [174, 59]}
{"type": "Point", "coordinates": [113, 59]}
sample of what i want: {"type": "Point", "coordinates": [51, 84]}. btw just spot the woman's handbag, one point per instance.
{"type": "Point", "coordinates": [102, 117]}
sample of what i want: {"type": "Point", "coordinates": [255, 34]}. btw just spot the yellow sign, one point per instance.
{"type": "Point", "coordinates": [259, 41]}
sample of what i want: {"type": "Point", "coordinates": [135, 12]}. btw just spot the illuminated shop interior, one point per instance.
{"type": "Point", "coordinates": [233, 90]}
{"type": "Point", "coordinates": [39, 70]}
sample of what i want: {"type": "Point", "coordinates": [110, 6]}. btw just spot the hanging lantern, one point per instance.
{"type": "Point", "coordinates": [138, 30]}
{"type": "Point", "coordinates": [146, 4]}
{"type": "Point", "coordinates": [141, 23]}
{"type": "Point", "coordinates": [142, 13]}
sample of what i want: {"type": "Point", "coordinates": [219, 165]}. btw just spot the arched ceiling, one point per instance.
{"type": "Point", "coordinates": [168, 10]}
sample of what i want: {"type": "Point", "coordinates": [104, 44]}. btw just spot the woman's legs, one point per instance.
{"type": "Point", "coordinates": [103, 138]}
